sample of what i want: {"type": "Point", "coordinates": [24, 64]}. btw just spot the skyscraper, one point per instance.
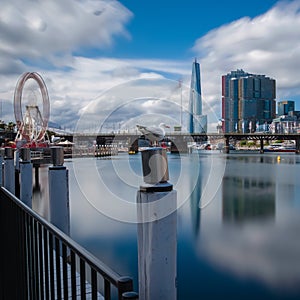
{"type": "Point", "coordinates": [248, 100]}
{"type": "Point", "coordinates": [197, 123]}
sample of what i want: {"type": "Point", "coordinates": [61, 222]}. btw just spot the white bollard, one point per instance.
{"type": "Point", "coordinates": [26, 177]}
{"type": "Point", "coordinates": [59, 191]}
{"type": "Point", "coordinates": [9, 170]}
{"type": "Point", "coordinates": [157, 229]}
{"type": "Point", "coordinates": [1, 165]}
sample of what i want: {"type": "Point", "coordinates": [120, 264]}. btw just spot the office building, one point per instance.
{"type": "Point", "coordinates": [248, 100]}
{"type": "Point", "coordinates": [284, 107]}
{"type": "Point", "coordinates": [197, 123]}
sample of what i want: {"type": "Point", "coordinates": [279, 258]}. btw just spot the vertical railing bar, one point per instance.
{"type": "Point", "coordinates": [65, 270]}
{"type": "Point", "coordinates": [27, 243]}
{"type": "Point", "coordinates": [30, 258]}
{"type": "Point", "coordinates": [46, 265]}
{"type": "Point", "coordinates": [58, 269]}
{"type": "Point", "coordinates": [52, 286]}
{"type": "Point", "coordinates": [19, 250]}
{"type": "Point", "coordinates": [94, 284]}
{"type": "Point", "coordinates": [33, 254]}
{"type": "Point", "coordinates": [73, 275]}
{"type": "Point", "coordinates": [25, 253]}
{"type": "Point", "coordinates": [106, 289]}
{"type": "Point", "coordinates": [36, 259]}
{"type": "Point", "coordinates": [40, 233]}
{"type": "Point", "coordinates": [82, 279]}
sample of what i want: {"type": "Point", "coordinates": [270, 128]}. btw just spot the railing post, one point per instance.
{"type": "Point", "coordinates": [124, 284]}
{"type": "Point", "coordinates": [26, 177]}
{"type": "Point", "coordinates": [157, 229]}
{"type": "Point", "coordinates": [9, 170]}
{"type": "Point", "coordinates": [59, 191]}
{"type": "Point", "coordinates": [1, 165]}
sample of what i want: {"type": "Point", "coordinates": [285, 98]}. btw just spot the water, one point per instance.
{"type": "Point", "coordinates": [239, 241]}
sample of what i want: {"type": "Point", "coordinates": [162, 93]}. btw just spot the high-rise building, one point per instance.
{"type": "Point", "coordinates": [248, 100]}
{"type": "Point", "coordinates": [197, 123]}
{"type": "Point", "coordinates": [284, 107]}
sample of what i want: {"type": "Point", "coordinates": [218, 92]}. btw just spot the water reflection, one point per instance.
{"type": "Point", "coordinates": [246, 199]}
{"type": "Point", "coordinates": [258, 238]}
{"type": "Point", "coordinates": [246, 237]}
{"type": "Point", "coordinates": [40, 192]}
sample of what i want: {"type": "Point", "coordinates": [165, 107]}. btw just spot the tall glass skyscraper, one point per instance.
{"type": "Point", "coordinates": [197, 123]}
{"type": "Point", "coordinates": [248, 100]}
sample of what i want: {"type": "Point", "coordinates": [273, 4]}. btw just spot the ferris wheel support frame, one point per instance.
{"type": "Point", "coordinates": [18, 108]}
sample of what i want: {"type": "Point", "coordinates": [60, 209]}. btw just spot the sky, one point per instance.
{"type": "Point", "coordinates": [109, 65]}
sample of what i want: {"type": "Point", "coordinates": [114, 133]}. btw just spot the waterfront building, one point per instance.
{"type": "Point", "coordinates": [248, 101]}
{"type": "Point", "coordinates": [288, 119]}
{"type": "Point", "coordinates": [197, 123]}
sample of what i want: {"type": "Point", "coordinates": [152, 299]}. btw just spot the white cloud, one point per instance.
{"type": "Point", "coordinates": [267, 44]}
{"type": "Point", "coordinates": [48, 29]}
{"type": "Point", "coordinates": [43, 35]}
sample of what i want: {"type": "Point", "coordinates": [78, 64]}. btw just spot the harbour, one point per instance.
{"type": "Point", "coordinates": [241, 243]}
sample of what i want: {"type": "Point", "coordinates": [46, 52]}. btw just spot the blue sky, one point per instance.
{"type": "Point", "coordinates": [168, 29]}
{"type": "Point", "coordinates": [98, 56]}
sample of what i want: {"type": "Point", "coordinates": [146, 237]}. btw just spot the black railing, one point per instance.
{"type": "Point", "coordinates": [38, 261]}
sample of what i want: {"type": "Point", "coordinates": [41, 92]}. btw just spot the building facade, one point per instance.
{"type": "Point", "coordinates": [284, 107]}
{"type": "Point", "coordinates": [248, 100]}
{"type": "Point", "coordinates": [197, 123]}
{"type": "Point", "coordinates": [288, 119]}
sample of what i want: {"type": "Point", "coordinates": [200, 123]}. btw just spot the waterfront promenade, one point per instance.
{"type": "Point", "coordinates": [179, 141]}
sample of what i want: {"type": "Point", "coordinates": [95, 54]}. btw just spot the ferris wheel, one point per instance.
{"type": "Point", "coordinates": [31, 108]}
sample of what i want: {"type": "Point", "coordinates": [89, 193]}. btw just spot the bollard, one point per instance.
{"type": "Point", "coordinates": [130, 295]}
{"type": "Point", "coordinates": [157, 232]}
{"type": "Point", "coordinates": [26, 177]}
{"type": "Point", "coordinates": [9, 170]}
{"type": "Point", "coordinates": [155, 165]}
{"type": "Point", "coordinates": [59, 191]}
{"type": "Point", "coordinates": [1, 165]}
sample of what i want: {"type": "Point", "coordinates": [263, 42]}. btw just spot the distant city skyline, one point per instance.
{"type": "Point", "coordinates": [85, 48]}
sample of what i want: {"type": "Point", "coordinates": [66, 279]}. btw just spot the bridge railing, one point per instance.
{"type": "Point", "coordinates": [38, 261]}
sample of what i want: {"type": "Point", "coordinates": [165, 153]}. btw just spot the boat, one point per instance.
{"type": "Point", "coordinates": [280, 147]}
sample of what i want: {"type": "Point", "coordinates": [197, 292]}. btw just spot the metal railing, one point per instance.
{"type": "Point", "coordinates": [38, 261]}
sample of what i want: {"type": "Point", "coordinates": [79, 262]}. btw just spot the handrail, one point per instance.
{"type": "Point", "coordinates": [42, 234]}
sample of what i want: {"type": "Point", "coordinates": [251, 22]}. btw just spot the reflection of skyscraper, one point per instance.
{"type": "Point", "coordinates": [247, 196]}
{"type": "Point", "coordinates": [197, 121]}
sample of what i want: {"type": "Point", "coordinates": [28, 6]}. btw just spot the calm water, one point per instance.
{"type": "Point", "coordinates": [238, 220]}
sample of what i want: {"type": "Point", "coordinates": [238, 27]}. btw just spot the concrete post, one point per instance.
{"type": "Point", "coordinates": [59, 191]}
{"type": "Point", "coordinates": [9, 170]}
{"type": "Point", "coordinates": [157, 229]}
{"type": "Point", "coordinates": [1, 165]}
{"type": "Point", "coordinates": [26, 177]}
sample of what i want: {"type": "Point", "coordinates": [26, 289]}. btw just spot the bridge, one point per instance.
{"type": "Point", "coordinates": [179, 141]}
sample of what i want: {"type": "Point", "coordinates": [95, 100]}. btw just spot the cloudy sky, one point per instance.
{"type": "Point", "coordinates": [121, 61]}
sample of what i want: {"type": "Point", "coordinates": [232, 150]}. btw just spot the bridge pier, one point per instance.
{"type": "Point", "coordinates": [133, 146]}
{"type": "Point", "coordinates": [297, 146]}
{"type": "Point", "coordinates": [261, 146]}
{"type": "Point", "coordinates": [226, 147]}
